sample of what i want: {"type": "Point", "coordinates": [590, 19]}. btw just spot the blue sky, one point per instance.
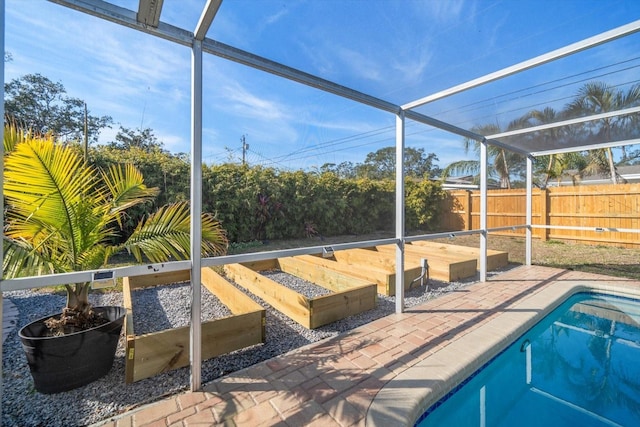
{"type": "Point", "coordinates": [397, 50]}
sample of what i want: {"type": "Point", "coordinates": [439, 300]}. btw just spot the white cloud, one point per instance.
{"type": "Point", "coordinates": [272, 19]}
{"type": "Point", "coordinates": [441, 11]}
{"type": "Point", "coordinates": [361, 65]}
{"type": "Point", "coordinates": [250, 105]}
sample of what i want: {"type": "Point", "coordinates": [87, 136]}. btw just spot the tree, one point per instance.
{"type": "Point", "coordinates": [382, 164]}
{"type": "Point", "coordinates": [38, 104]}
{"type": "Point", "coordinates": [554, 165]}
{"type": "Point", "coordinates": [63, 212]}
{"type": "Point", "coordinates": [136, 138]}
{"type": "Point", "coordinates": [500, 160]}
{"type": "Point", "coordinates": [599, 97]}
{"type": "Point", "coordinates": [345, 170]}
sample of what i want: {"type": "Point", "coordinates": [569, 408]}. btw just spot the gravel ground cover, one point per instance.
{"type": "Point", "coordinates": [303, 287]}
{"type": "Point", "coordinates": [164, 305]}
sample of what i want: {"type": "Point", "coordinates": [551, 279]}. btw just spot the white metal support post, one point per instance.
{"type": "Point", "coordinates": [528, 240]}
{"type": "Point", "coordinates": [400, 212]}
{"type": "Point", "coordinates": [195, 353]}
{"type": "Point", "coordinates": [483, 211]}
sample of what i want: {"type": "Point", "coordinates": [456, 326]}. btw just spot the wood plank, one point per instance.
{"type": "Point", "coordinates": [367, 257]}
{"type": "Point", "coordinates": [267, 264]}
{"type": "Point", "coordinates": [283, 299]}
{"type": "Point", "coordinates": [495, 259]}
{"type": "Point", "coordinates": [383, 276]}
{"type": "Point", "coordinates": [128, 331]}
{"type": "Point", "coordinates": [163, 351]}
{"type": "Point", "coordinates": [150, 354]}
{"type": "Point", "coordinates": [420, 252]}
{"type": "Point", "coordinates": [444, 268]}
{"type": "Point", "coordinates": [312, 272]}
{"type": "Point", "coordinates": [236, 300]}
{"type": "Point", "coordinates": [330, 308]}
{"type": "Point", "coordinates": [307, 311]}
{"type": "Point", "coordinates": [159, 279]}
{"type": "Point", "coordinates": [376, 274]}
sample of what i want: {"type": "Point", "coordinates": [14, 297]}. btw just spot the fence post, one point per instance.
{"type": "Point", "coordinates": [467, 210]}
{"type": "Point", "coordinates": [544, 214]}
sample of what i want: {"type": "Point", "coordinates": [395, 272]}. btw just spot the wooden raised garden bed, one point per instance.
{"type": "Point", "coordinates": [448, 262]}
{"type": "Point", "coordinates": [441, 266]}
{"type": "Point", "coordinates": [366, 265]}
{"type": "Point", "coordinates": [349, 295]}
{"type": "Point", "coordinates": [153, 353]}
{"type": "Point", "coordinates": [495, 259]}
{"type": "Point", "coordinates": [379, 264]}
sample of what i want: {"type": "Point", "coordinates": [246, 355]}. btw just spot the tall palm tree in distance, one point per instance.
{"type": "Point", "coordinates": [599, 97]}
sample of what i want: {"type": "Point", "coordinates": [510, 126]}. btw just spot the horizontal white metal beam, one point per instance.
{"type": "Point", "coordinates": [449, 234]}
{"type": "Point", "coordinates": [566, 122]}
{"type": "Point", "coordinates": [596, 146]}
{"type": "Point", "coordinates": [312, 250]}
{"type": "Point", "coordinates": [531, 63]}
{"type": "Point", "coordinates": [32, 282]}
{"type": "Point", "coordinates": [421, 118]}
{"type": "Point", "coordinates": [260, 63]}
{"type": "Point", "coordinates": [595, 229]}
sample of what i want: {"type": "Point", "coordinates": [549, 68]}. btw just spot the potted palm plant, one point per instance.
{"type": "Point", "coordinates": [62, 215]}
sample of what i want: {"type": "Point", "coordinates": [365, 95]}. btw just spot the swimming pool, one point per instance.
{"type": "Point", "coordinates": [578, 366]}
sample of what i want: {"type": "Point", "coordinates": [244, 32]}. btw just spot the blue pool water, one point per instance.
{"type": "Point", "coordinates": [580, 366]}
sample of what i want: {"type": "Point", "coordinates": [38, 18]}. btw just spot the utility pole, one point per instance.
{"type": "Point", "coordinates": [245, 147]}
{"type": "Point", "coordinates": [86, 134]}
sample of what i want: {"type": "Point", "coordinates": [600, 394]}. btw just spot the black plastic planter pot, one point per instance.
{"type": "Point", "coordinates": [66, 362]}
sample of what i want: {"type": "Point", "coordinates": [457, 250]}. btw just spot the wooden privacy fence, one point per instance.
{"type": "Point", "coordinates": [594, 206]}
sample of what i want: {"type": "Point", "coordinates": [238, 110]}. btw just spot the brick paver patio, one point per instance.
{"type": "Point", "coordinates": [333, 382]}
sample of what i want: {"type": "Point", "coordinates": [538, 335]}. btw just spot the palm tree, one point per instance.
{"type": "Point", "coordinates": [599, 97]}
{"type": "Point", "coordinates": [555, 165]}
{"type": "Point", "coordinates": [500, 159]}
{"type": "Point", "coordinates": [62, 215]}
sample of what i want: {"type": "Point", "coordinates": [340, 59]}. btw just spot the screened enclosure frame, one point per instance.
{"type": "Point", "coordinates": [147, 19]}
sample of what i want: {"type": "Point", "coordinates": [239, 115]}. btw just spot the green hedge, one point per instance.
{"type": "Point", "coordinates": [256, 203]}
{"type": "Point", "coordinates": [263, 203]}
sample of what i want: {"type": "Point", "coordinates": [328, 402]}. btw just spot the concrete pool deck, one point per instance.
{"type": "Point", "coordinates": [386, 372]}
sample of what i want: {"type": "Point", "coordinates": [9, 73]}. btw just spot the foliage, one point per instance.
{"type": "Point", "coordinates": [161, 169]}
{"type": "Point", "coordinates": [422, 202]}
{"type": "Point", "coordinates": [62, 215]}
{"type": "Point", "coordinates": [502, 163]}
{"type": "Point", "coordinates": [592, 98]}
{"type": "Point", "coordinates": [283, 204]}
{"type": "Point", "coordinates": [38, 104]}
{"type": "Point", "coordinates": [381, 164]}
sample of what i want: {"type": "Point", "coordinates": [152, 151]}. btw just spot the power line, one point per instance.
{"type": "Point", "coordinates": [333, 144]}
{"type": "Point", "coordinates": [479, 105]}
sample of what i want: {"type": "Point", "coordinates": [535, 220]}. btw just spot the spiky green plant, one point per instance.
{"type": "Point", "coordinates": [62, 215]}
